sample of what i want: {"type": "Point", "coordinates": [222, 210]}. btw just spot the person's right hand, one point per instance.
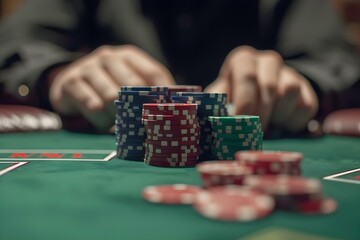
{"type": "Point", "coordinates": [90, 85]}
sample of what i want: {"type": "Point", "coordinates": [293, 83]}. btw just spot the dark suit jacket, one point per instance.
{"type": "Point", "coordinates": [191, 37]}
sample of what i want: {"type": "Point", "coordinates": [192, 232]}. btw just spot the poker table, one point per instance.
{"type": "Point", "coordinates": [46, 199]}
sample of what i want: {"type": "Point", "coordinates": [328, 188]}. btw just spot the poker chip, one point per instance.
{"type": "Point", "coordinates": [284, 184]}
{"type": "Point", "coordinates": [271, 162]}
{"type": "Point", "coordinates": [222, 173]}
{"type": "Point", "coordinates": [174, 131]}
{"type": "Point", "coordinates": [180, 112]}
{"type": "Point", "coordinates": [171, 194]}
{"type": "Point", "coordinates": [171, 164]}
{"type": "Point", "coordinates": [145, 88]}
{"type": "Point", "coordinates": [173, 122]}
{"type": "Point", "coordinates": [169, 117]}
{"type": "Point", "coordinates": [173, 89]}
{"type": "Point", "coordinates": [317, 206]}
{"type": "Point", "coordinates": [233, 203]}
{"type": "Point", "coordinates": [171, 137]}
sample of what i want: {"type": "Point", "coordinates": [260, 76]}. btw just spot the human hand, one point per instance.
{"type": "Point", "coordinates": [258, 83]}
{"type": "Point", "coordinates": [90, 85]}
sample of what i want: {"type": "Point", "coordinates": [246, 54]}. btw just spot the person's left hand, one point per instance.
{"type": "Point", "coordinates": [259, 83]}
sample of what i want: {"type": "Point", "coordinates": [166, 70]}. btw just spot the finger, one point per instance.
{"type": "Point", "coordinates": [152, 71]}
{"type": "Point", "coordinates": [218, 86]}
{"type": "Point", "coordinates": [102, 83]}
{"type": "Point", "coordinates": [288, 97]}
{"type": "Point", "coordinates": [306, 110]}
{"type": "Point", "coordinates": [269, 64]}
{"type": "Point", "coordinates": [122, 73]}
{"type": "Point", "coordinates": [243, 76]}
{"type": "Point", "coordinates": [83, 95]}
{"type": "Point", "coordinates": [88, 103]}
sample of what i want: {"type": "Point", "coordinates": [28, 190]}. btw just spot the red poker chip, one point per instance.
{"type": "Point", "coordinates": [172, 138]}
{"type": "Point", "coordinates": [171, 158]}
{"type": "Point", "coordinates": [171, 194]}
{"type": "Point", "coordinates": [182, 113]}
{"type": "Point", "coordinates": [174, 143]}
{"type": "Point", "coordinates": [174, 122]}
{"type": "Point", "coordinates": [317, 206]}
{"type": "Point", "coordinates": [268, 156]}
{"type": "Point", "coordinates": [233, 203]}
{"type": "Point", "coordinates": [174, 131]}
{"type": "Point", "coordinates": [169, 117]}
{"type": "Point", "coordinates": [179, 149]}
{"type": "Point", "coordinates": [217, 173]}
{"type": "Point", "coordinates": [175, 155]}
{"type": "Point", "coordinates": [170, 164]}
{"type": "Point", "coordinates": [169, 106]}
{"type": "Point", "coordinates": [276, 167]}
{"type": "Point", "coordinates": [166, 151]}
{"type": "Point", "coordinates": [283, 184]}
{"type": "Point", "coordinates": [159, 127]}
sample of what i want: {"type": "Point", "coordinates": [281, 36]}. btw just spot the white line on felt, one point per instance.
{"type": "Point", "coordinates": [2, 172]}
{"type": "Point", "coordinates": [110, 156]}
{"type": "Point", "coordinates": [343, 180]}
{"type": "Point", "coordinates": [94, 151]}
{"type": "Point", "coordinates": [343, 173]}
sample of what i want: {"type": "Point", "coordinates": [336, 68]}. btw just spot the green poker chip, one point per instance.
{"type": "Point", "coordinates": [234, 119]}
{"type": "Point", "coordinates": [239, 136]}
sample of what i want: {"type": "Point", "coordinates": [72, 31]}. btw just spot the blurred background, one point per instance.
{"type": "Point", "coordinates": [349, 10]}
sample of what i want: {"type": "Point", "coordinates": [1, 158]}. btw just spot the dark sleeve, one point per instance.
{"type": "Point", "coordinates": [312, 40]}
{"type": "Point", "coordinates": [40, 35]}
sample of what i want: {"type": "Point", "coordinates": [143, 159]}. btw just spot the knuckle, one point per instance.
{"type": "Point", "coordinates": [292, 84]}
{"type": "Point", "coordinates": [242, 51]}
{"type": "Point", "coordinates": [273, 56]}
{"type": "Point", "coordinates": [129, 49]}
{"type": "Point", "coordinates": [104, 50]}
{"type": "Point", "coordinates": [245, 50]}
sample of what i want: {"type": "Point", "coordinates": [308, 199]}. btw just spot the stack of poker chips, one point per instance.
{"type": "Point", "coordinates": [268, 172]}
{"type": "Point", "coordinates": [130, 133]}
{"type": "Point", "coordinates": [209, 104]}
{"type": "Point", "coordinates": [172, 134]}
{"type": "Point", "coordinates": [235, 133]}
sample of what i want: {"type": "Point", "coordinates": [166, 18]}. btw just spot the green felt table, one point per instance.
{"type": "Point", "coordinates": [102, 200]}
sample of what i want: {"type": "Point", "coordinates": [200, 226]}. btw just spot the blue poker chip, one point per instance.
{"type": "Point", "coordinates": [127, 126]}
{"type": "Point", "coordinates": [128, 114]}
{"type": "Point", "coordinates": [199, 99]}
{"type": "Point", "coordinates": [217, 112]}
{"type": "Point", "coordinates": [128, 119]}
{"type": "Point", "coordinates": [131, 137]}
{"type": "Point", "coordinates": [209, 95]}
{"type": "Point", "coordinates": [141, 93]}
{"type": "Point", "coordinates": [126, 105]}
{"type": "Point", "coordinates": [126, 145]}
{"type": "Point", "coordinates": [142, 99]}
{"type": "Point", "coordinates": [145, 88]}
{"type": "Point", "coordinates": [138, 150]}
